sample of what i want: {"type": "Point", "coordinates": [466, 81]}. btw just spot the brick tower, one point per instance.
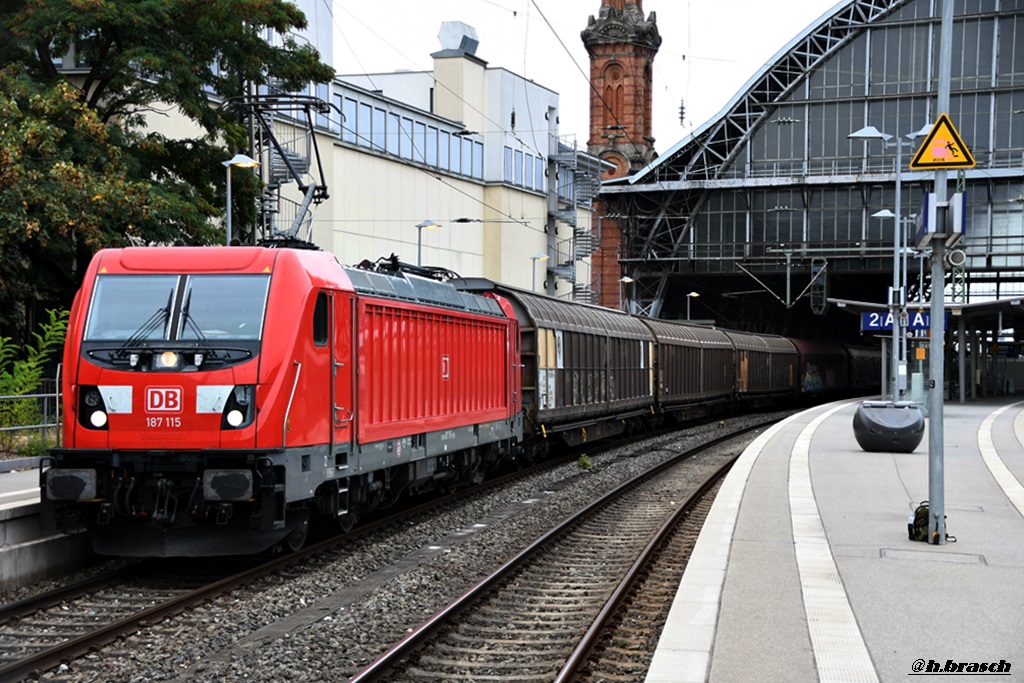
{"type": "Point", "coordinates": [622, 45]}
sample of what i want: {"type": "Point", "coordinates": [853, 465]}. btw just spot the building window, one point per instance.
{"type": "Point", "coordinates": [478, 160]}
{"type": "Point", "coordinates": [444, 148]}
{"type": "Point", "coordinates": [538, 174]}
{"type": "Point", "coordinates": [419, 141]}
{"type": "Point", "coordinates": [364, 125]}
{"type": "Point", "coordinates": [348, 122]}
{"type": "Point", "coordinates": [456, 154]}
{"type": "Point", "coordinates": [431, 146]}
{"type": "Point", "coordinates": [393, 134]}
{"type": "Point", "coordinates": [405, 138]}
{"type": "Point", "coordinates": [508, 164]}
{"type": "Point", "coordinates": [519, 168]}
{"type": "Point", "coordinates": [379, 137]}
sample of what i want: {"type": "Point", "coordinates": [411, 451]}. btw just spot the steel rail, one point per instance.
{"type": "Point", "coordinates": [383, 665]}
{"type": "Point", "coordinates": [591, 639]}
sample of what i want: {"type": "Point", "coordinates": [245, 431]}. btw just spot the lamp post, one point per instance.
{"type": "Point", "coordinates": [895, 304]}
{"type": "Point", "coordinates": [690, 297]}
{"type": "Point", "coordinates": [533, 263]}
{"type": "Point", "coordinates": [241, 161]}
{"type": "Point", "coordinates": [429, 225]}
{"type": "Point", "coordinates": [624, 280]}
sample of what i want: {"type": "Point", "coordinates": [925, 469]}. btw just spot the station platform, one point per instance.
{"type": "Point", "coordinates": [804, 570]}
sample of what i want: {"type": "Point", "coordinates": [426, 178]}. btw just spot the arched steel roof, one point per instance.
{"type": "Point", "coordinates": [698, 161]}
{"type": "Point", "coordinates": [702, 154]}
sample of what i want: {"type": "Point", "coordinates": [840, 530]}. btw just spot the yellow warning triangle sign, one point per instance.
{"type": "Point", "coordinates": [943, 148]}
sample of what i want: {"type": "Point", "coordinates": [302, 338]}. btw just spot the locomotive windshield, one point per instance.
{"type": "Point", "coordinates": [177, 307]}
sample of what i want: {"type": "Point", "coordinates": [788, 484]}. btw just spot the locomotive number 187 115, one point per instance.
{"type": "Point", "coordinates": [165, 422]}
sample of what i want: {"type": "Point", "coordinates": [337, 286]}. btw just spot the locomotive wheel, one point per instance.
{"type": "Point", "coordinates": [347, 521]}
{"type": "Point", "coordinates": [297, 538]}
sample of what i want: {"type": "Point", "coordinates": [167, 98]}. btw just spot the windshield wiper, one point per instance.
{"type": "Point", "coordinates": [191, 324]}
{"type": "Point", "coordinates": [155, 321]}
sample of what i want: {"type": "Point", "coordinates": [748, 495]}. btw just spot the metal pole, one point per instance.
{"type": "Point", "coordinates": [229, 207]}
{"type": "Point", "coordinates": [885, 370]}
{"type": "Point", "coordinates": [896, 280]}
{"type": "Point", "coordinates": [962, 359]}
{"type": "Point", "coordinates": [936, 478]}
{"type": "Point", "coordinates": [419, 245]}
{"type": "Point", "coordinates": [533, 284]}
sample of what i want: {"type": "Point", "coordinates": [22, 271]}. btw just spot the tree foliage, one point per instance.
{"type": "Point", "coordinates": [86, 156]}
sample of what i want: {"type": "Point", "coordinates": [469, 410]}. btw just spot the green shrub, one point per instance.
{"type": "Point", "coordinates": [585, 462]}
{"type": "Point", "coordinates": [24, 375]}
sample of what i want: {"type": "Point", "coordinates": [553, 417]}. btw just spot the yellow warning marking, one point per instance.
{"type": "Point", "coordinates": [942, 148]}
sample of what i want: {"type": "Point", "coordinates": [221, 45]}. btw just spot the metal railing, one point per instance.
{"type": "Point", "coordinates": [42, 416]}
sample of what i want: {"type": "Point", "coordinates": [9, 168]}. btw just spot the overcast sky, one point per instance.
{"type": "Point", "coordinates": [709, 50]}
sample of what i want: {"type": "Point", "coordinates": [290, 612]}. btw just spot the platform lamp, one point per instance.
{"type": "Point", "coordinates": [428, 225]}
{"type": "Point", "coordinates": [690, 297]}
{"type": "Point", "coordinates": [533, 262]}
{"type": "Point", "coordinates": [867, 134]}
{"type": "Point", "coordinates": [241, 161]}
{"type": "Point", "coordinates": [624, 280]}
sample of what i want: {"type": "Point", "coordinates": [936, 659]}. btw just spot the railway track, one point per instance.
{"type": "Point", "coordinates": [542, 615]}
{"type": "Point", "coordinates": [56, 626]}
{"type": "Point", "coordinates": [45, 630]}
{"type": "Point", "coordinates": [38, 638]}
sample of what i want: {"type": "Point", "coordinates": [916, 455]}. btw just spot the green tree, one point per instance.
{"type": "Point", "coordinates": [81, 164]}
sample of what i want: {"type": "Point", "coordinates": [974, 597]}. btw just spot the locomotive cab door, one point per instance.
{"type": "Point", "coordinates": [343, 375]}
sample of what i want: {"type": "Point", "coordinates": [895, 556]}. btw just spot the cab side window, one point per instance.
{"type": "Point", "coordinates": [320, 320]}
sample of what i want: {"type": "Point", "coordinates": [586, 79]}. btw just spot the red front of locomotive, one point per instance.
{"type": "Point", "coordinates": [178, 367]}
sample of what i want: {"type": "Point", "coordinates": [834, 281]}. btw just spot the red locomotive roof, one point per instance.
{"type": "Point", "coordinates": [322, 268]}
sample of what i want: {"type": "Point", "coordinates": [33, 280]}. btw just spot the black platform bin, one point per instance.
{"type": "Point", "coordinates": [896, 427]}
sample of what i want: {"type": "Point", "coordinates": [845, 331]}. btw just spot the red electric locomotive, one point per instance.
{"type": "Point", "coordinates": [219, 399]}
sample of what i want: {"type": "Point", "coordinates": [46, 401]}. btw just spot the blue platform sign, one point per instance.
{"type": "Point", "coordinates": [877, 321]}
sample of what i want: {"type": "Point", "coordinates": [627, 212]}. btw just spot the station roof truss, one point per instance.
{"type": "Point", "coordinates": [670, 191]}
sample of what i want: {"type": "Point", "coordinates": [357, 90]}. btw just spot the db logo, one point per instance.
{"type": "Point", "coordinates": [163, 399]}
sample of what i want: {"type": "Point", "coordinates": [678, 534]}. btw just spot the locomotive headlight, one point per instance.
{"type": "Point", "coordinates": [92, 409]}
{"type": "Point", "coordinates": [239, 408]}
{"type": "Point", "coordinates": [166, 360]}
